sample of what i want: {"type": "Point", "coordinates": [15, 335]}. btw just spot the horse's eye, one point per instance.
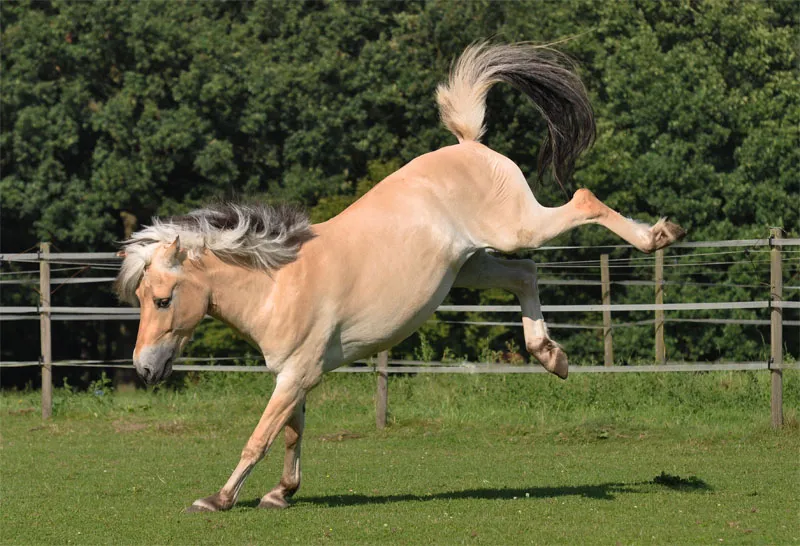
{"type": "Point", "coordinates": [163, 303]}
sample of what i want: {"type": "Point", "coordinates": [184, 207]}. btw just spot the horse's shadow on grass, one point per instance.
{"type": "Point", "coordinates": [603, 491]}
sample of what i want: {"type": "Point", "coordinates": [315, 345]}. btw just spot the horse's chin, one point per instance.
{"type": "Point", "coordinates": [167, 369]}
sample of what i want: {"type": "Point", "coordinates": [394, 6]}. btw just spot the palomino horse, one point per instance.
{"type": "Point", "coordinates": [313, 298]}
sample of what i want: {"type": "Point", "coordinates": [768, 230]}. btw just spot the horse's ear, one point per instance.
{"type": "Point", "coordinates": [173, 253]}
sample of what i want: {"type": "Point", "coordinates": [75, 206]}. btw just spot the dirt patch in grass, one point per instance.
{"type": "Point", "coordinates": [340, 436]}
{"type": "Point", "coordinates": [174, 427]}
{"type": "Point", "coordinates": [121, 426]}
{"type": "Point", "coordinates": [22, 411]}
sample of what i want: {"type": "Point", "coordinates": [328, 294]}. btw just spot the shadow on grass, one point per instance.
{"type": "Point", "coordinates": [604, 491]}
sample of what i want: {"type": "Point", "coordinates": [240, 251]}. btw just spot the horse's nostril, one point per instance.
{"type": "Point", "coordinates": [145, 372]}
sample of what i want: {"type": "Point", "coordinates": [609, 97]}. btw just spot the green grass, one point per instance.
{"type": "Point", "coordinates": [633, 459]}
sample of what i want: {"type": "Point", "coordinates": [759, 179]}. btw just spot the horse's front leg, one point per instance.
{"type": "Point", "coordinates": [290, 479]}
{"type": "Point", "coordinates": [287, 397]}
{"type": "Point", "coordinates": [520, 278]}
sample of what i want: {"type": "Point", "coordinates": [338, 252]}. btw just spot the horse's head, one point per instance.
{"type": "Point", "coordinates": [172, 301]}
{"type": "Point", "coordinates": [168, 268]}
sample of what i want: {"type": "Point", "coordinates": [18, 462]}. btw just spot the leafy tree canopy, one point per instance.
{"type": "Point", "coordinates": [116, 111]}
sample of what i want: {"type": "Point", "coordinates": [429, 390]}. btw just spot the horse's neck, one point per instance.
{"type": "Point", "coordinates": [238, 296]}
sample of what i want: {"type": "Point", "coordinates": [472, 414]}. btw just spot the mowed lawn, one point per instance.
{"type": "Point", "coordinates": [617, 459]}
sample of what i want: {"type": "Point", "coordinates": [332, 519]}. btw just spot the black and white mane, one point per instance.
{"type": "Point", "coordinates": [256, 236]}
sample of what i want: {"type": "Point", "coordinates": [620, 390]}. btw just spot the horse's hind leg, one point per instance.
{"type": "Point", "coordinates": [584, 208]}
{"type": "Point", "coordinates": [519, 277]}
{"type": "Point", "coordinates": [290, 480]}
{"type": "Point", "coordinates": [288, 395]}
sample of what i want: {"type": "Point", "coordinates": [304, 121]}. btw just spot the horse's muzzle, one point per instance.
{"type": "Point", "coordinates": [154, 363]}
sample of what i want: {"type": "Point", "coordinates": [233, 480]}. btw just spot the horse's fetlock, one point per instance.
{"type": "Point", "coordinates": [538, 345]}
{"type": "Point", "coordinates": [289, 486]}
{"type": "Point", "coordinates": [224, 501]}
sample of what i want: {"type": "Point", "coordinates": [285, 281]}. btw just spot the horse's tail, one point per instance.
{"type": "Point", "coordinates": [544, 75]}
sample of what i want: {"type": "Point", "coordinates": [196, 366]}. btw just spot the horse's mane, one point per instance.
{"type": "Point", "coordinates": [255, 236]}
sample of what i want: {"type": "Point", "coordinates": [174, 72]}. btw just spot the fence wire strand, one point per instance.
{"type": "Point", "coordinates": [682, 266]}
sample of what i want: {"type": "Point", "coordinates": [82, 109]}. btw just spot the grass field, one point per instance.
{"type": "Point", "coordinates": [612, 459]}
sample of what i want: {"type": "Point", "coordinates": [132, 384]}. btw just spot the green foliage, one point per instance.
{"type": "Point", "coordinates": [124, 110]}
{"type": "Point", "coordinates": [212, 338]}
{"type": "Point", "coordinates": [328, 207]}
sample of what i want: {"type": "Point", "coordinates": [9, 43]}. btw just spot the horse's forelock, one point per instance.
{"type": "Point", "coordinates": [137, 258]}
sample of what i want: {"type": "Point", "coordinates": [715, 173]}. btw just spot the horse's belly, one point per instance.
{"type": "Point", "coordinates": [396, 311]}
{"type": "Point", "coordinates": [386, 272]}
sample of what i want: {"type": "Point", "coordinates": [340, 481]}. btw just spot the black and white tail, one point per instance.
{"type": "Point", "coordinates": [544, 75]}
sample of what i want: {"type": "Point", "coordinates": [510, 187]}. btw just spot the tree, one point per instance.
{"type": "Point", "coordinates": [114, 112]}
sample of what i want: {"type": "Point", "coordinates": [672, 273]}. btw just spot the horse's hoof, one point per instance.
{"type": "Point", "coordinates": [551, 356]}
{"type": "Point", "coordinates": [558, 363]}
{"type": "Point", "coordinates": [209, 504]}
{"type": "Point", "coordinates": [561, 368]}
{"type": "Point", "coordinates": [664, 233]}
{"type": "Point", "coordinates": [273, 502]}
{"type": "Point", "coordinates": [195, 508]}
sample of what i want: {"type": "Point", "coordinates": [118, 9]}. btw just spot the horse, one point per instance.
{"type": "Point", "coordinates": [315, 297]}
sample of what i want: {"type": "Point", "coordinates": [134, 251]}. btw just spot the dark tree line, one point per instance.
{"type": "Point", "coordinates": [113, 112]}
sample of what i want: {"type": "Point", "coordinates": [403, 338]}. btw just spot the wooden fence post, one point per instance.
{"type": "Point", "coordinates": [776, 331]}
{"type": "Point", "coordinates": [382, 399]}
{"type": "Point", "coordinates": [44, 330]}
{"type": "Point", "coordinates": [608, 342]}
{"type": "Point", "coordinates": [661, 352]}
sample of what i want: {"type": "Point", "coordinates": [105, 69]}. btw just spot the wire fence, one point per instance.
{"type": "Point", "coordinates": [756, 257]}
{"type": "Point", "coordinates": [86, 262]}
